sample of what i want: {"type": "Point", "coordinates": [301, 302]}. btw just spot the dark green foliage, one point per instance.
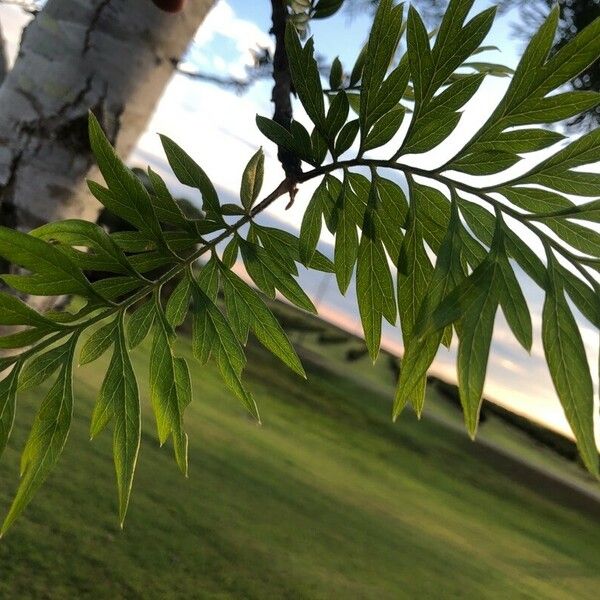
{"type": "Point", "coordinates": [439, 261]}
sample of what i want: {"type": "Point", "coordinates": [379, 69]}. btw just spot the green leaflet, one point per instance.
{"type": "Point", "coordinates": [139, 324]}
{"type": "Point", "coordinates": [420, 352]}
{"type": "Point", "coordinates": [519, 141]}
{"type": "Point", "coordinates": [98, 343]}
{"type": "Point", "coordinates": [554, 108]}
{"type": "Point", "coordinates": [208, 279]}
{"type": "Point", "coordinates": [513, 303]}
{"type": "Point", "coordinates": [571, 59]}
{"type": "Point", "coordinates": [476, 329]}
{"type": "Point", "coordinates": [432, 68]}
{"type": "Point", "coordinates": [334, 189]}
{"type": "Point", "coordinates": [113, 288]}
{"type": "Point", "coordinates": [183, 386]}
{"type": "Point", "coordinates": [383, 41]}
{"type": "Point", "coordinates": [312, 221]}
{"type": "Point", "coordinates": [451, 50]}
{"type": "Point", "coordinates": [485, 162]}
{"type": "Point", "coordinates": [455, 96]}
{"type": "Point", "coordinates": [286, 247]}
{"type": "Point", "coordinates": [568, 182]}
{"type": "Point", "coordinates": [128, 197]}
{"type": "Point", "coordinates": [269, 275]}
{"type": "Point", "coordinates": [166, 208]}
{"type": "Point", "coordinates": [582, 151]}
{"type": "Point", "coordinates": [203, 331]}
{"type": "Point", "coordinates": [528, 69]}
{"type": "Point", "coordinates": [392, 91]}
{"type": "Point", "coordinates": [24, 337]}
{"type": "Point", "coordinates": [252, 179]}
{"type": "Point", "coordinates": [580, 237]}
{"type": "Point", "coordinates": [75, 232]}
{"type": "Point", "coordinates": [479, 219]}
{"type": "Point", "coordinates": [213, 335]}
{"type": "Point", "coordinates": [389, 215]}
{"type": "Point", "coordinates": [119, 401]}
{"type": "Point", "coordinates": [8, 404]}
{"type": "Point", "coordinates": [588, 211]}
{"type": "Point", "coordinates": [305, 74]}
{"type": "Point", "coordinates": [276, 133]}
{"type": "Point", "coordinates": [357, 69]}
{"type": "Point", "coordinates": [168, 392]}
{"type": "Point", "coordinates": [385, 128]}
{"type": "Point", "coordinates": [525, 257]}
{"type": "Point", "coordinates": [231, 210]}
{"type": "Point", "coordinates": [535, 200]}
{"type": "Point", "coordinates": [429, 134]}
{"type": "Point", "coordinates": [319, 147]}
{"type": "Point", "coordinates": [460, 300]}
{"type": "Point", "coordinates": [524, 101]}
{"type": "Point", "coordinates": [280, 250]}
{"type": "Point", "coordinates": [15, 312]}
{"type": "Point", "coordinates": [475, 302]}
{"type": "Point", "coordinates": [337, 115]}
{"type": "Point", "coordinates": [432, 213]}
{"type": "Point", "coordinates": [336, 74]}
{"type": "Point", "coordinates": [149, 261]}
{"type": "Point", "coordinates": [586, 299]}
{"type": "Point", "coordinates": [53, 273]}
{"type": "Point", "coordinates": [302, 142]}
{"type": "Point", "coordinates": [246, 309]}
{"type": "Point", "coordinates": [256, 269]}
{"type": "Point", "coordinates": [419, 54]}
{"type": "Point", "coordinates": [414, 272]}
{"type": "Point", "coordinates": [43, 366]}
{"type": "Point", "coordinates": [346, 137]}
{"type": "Point", "coordinates": [178, 303]}
{"type": "Point", "coordinates": [230, 254]}
{"type": "Point", "coordinates": [374, 285]}
{"type": "Point", "coordinates": [482, 223]}
{"type": "Point", "coordinates": [190, 173]}
{"type": "Point", "coordinates": [47, 437]}
{"type": "Point", "coordinates": [488, 68]}
{"type": "Point", "coordinates": [326, 8]}
{"type": "Point", "coordinates": [346, 239]}
{"type": "Point", "coordinates": [568, 366]}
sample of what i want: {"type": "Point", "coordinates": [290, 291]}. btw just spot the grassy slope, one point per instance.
{"type": "Point", "coordinates": [327, 500]}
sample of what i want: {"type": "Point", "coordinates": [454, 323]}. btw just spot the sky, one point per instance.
{"type": "Point", "coordinates": [217, 127]}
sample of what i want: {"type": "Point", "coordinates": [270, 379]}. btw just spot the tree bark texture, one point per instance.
{"type": "Point", "coordinates": [3, 61]}
{"type": "Point", "coordinates": [114, 57]}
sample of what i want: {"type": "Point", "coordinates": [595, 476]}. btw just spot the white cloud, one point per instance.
{"type": "Point", "coordinates": [245, 35]}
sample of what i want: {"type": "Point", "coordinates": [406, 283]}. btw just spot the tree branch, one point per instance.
{"type": "Point", "coordinates": [283, 88]}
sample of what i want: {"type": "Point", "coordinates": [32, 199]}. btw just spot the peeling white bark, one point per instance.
{"type": "Point", "coordinates": [113, 56]}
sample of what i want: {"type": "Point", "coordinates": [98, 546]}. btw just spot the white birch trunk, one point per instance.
{"type": "Point", "coordinates": [3, 61]}
{"type": "Point", "coordinates": [112, 56]}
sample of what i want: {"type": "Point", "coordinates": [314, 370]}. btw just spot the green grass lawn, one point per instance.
{"type": "Point", "coordinates": [328, 499]}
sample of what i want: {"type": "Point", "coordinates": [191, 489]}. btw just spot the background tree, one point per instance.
{"type": "Point", "coordinates": [112, 56]}
{"type": "Point", "coordinates": [3, 58]}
